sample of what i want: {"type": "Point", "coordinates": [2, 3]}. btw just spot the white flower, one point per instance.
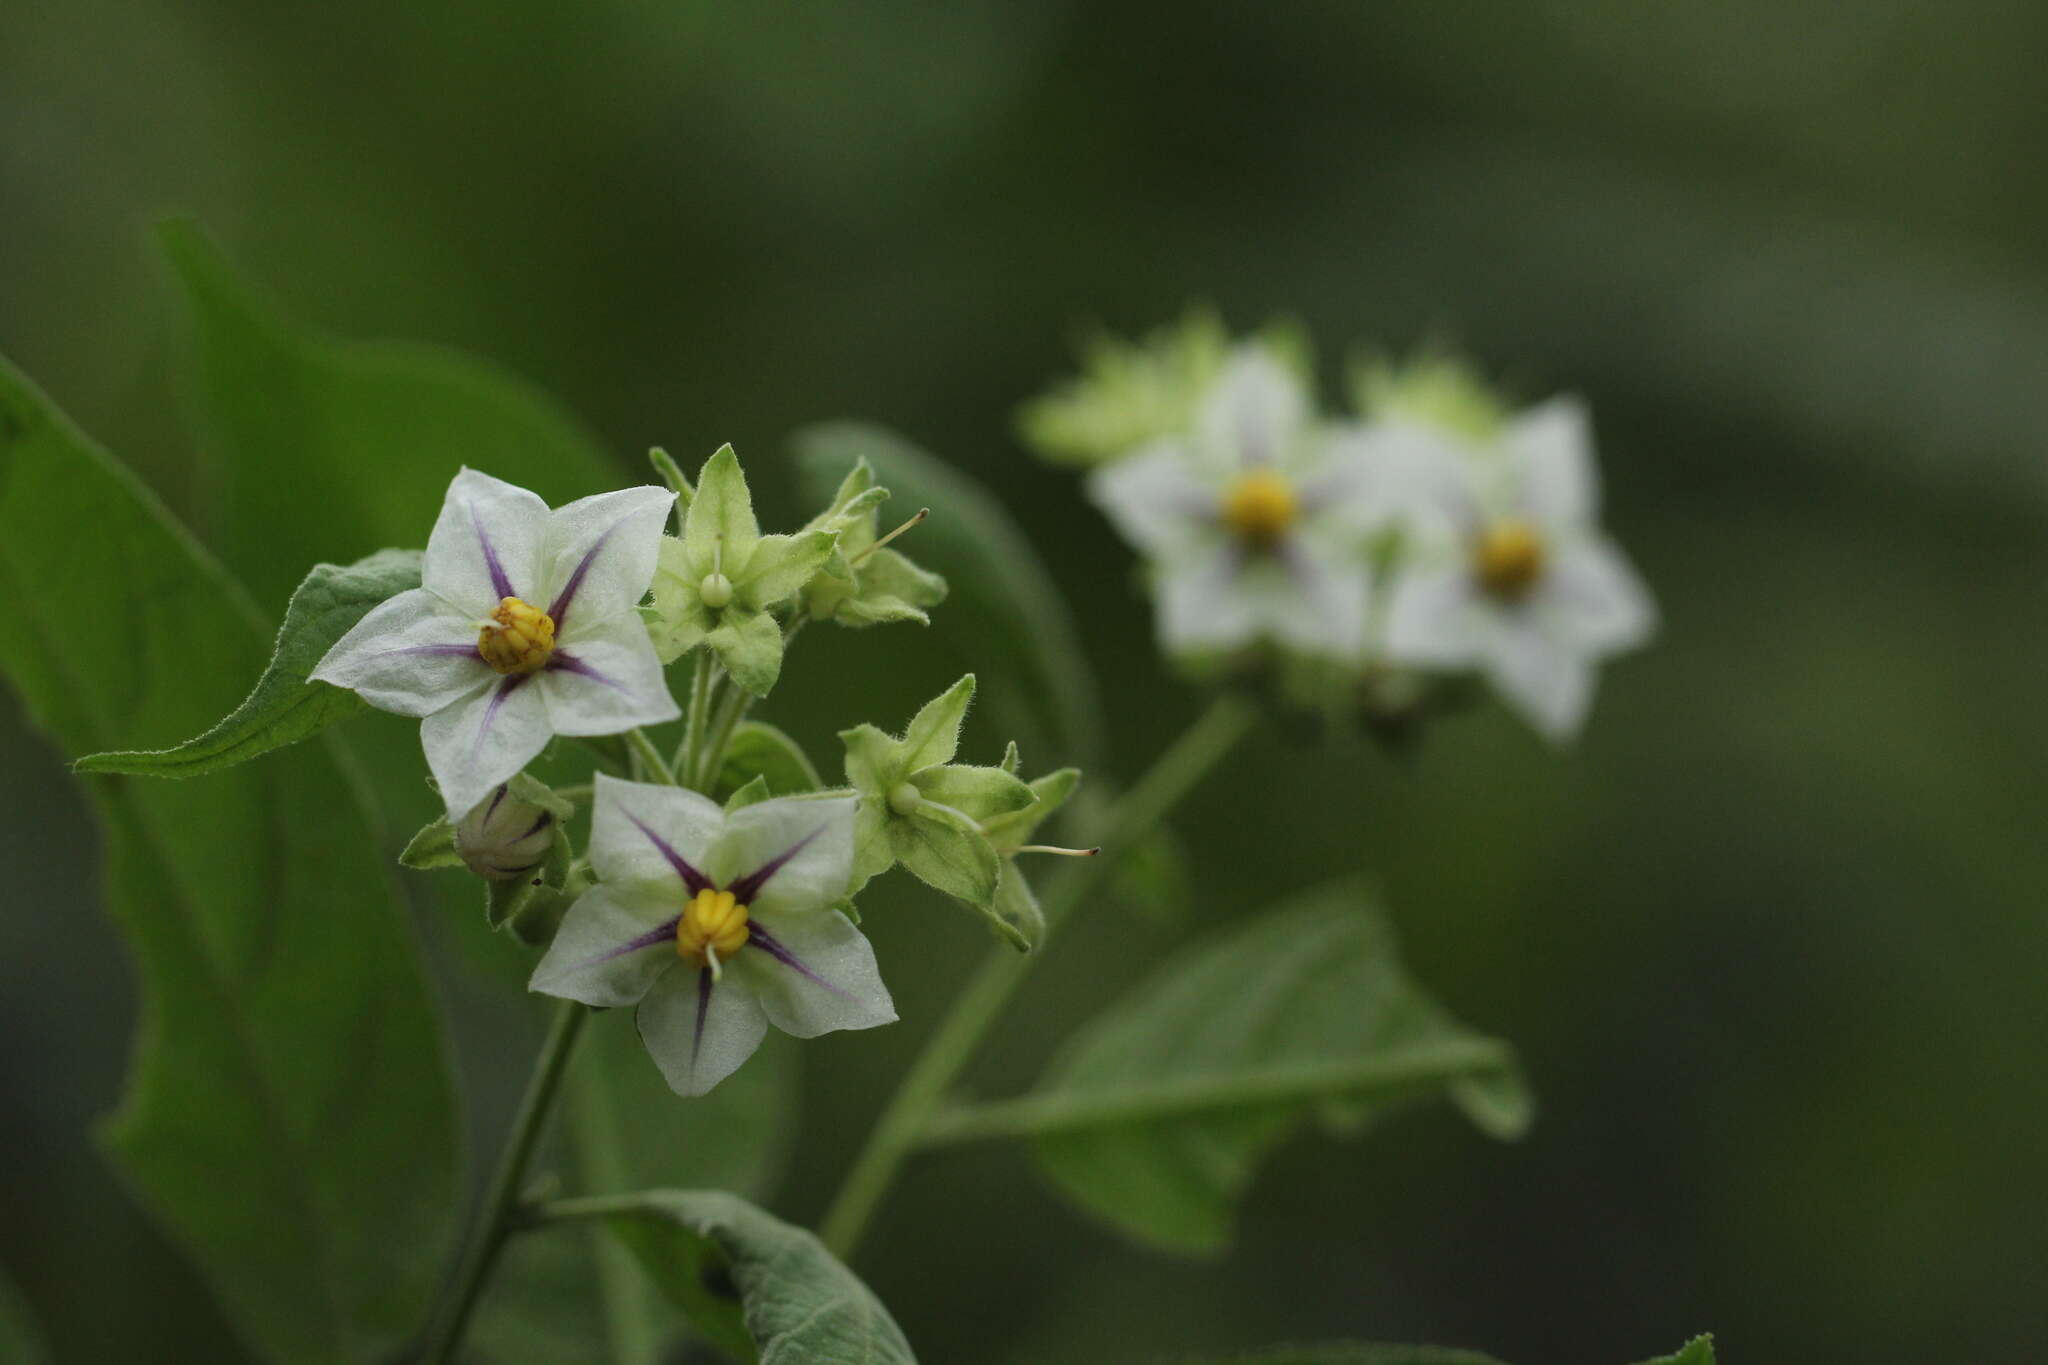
{"type": "Point", "coordinates": [717, 925]}
{"type": "Point", "coordinates": [491, 672]}
{"type": "Point", "coordinates": [1253, 522]}
{"type": "Point", "coordinates": [1509, 572]}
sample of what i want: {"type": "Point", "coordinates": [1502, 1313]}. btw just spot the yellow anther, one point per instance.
{"type": "Point", "coordinates": [1260, 506]}
{"type": "Point", "coordinates": [518, 638]}
{"type": "Point", "coordinates": [1509, 558]}
{"type": "Point", "coordinates": [713, 923]}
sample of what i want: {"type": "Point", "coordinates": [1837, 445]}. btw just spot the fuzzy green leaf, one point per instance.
{"type": "Point", "coordinates": [781, 564]}
{"type": "Point", "coordinates": [757, 749]}
{"type": "Point", "coordinates": [757, 1287]}
{"type": "Point", "coordinates": [1012, 621]}
{"type": "Point", "coordinates": [286, 706]}
{"type": "Point", "coordinates": [749, 644]}
{"type": "Point", "coordinates": [1157, 1114]}
{"type": "Point", "coordinates": [433, 847]}
{"type": "Point", "coordinates": [933, 736]}
{"type": "Point", "coordinates": [289, 1117]}
{"type": "Point", "coordinates": [979, 793]}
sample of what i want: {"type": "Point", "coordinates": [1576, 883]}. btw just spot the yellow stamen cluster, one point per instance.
{"type": "Point", "coordinates": [713, 927]}
{"type": "Point", "coordinates": [1509, 558]}
{"type": "Point", "coordinates": [519, 638]}
{"type": "Point", "coordinates": [1260, 506]}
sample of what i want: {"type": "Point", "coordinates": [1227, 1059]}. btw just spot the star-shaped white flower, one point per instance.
{"type": "Point", "coordinates": [1253, 522]}
{"type": "Point", "coordinates": [717, 924]}
{"type": "Point", "coordinates": [1509, 572]}
{"type": "Point", "coordinates": [523, 628]}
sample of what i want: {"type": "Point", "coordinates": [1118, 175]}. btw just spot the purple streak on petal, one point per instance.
{"type": "Point", "coordinates": [499, 581]}
{"type": "Point", "coordinates": [497, 797]}
{"type": "Point", "coordinates": [441, 651]}
{"type": "Point", "coordinates": [560, 610]}
{"type": "Point", "coordinates": [746, 888]}
{"type": "Point", "coordinates": [769, 944]}
{"type": "Point", "coordinates": [505, 689]}
{"type": "Point", "coordinates": [646, 940]}
{"type": "Point", "coordinates": [537, 827]}
{"type": "Point", "coordinates": [569, 663]}
{"type": "Point", "coordinates": [693, 879]}
{"type": "Point", "coordinates": [704, 983]}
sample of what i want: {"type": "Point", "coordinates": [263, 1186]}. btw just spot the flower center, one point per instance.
{"type": "Point", "coordinates": [518, 638]}
{"type": "Point", "coordinates": [1260, 506]}
{"type": "Point", "coordinates": [713, 927]}
{"type": "Point", "coordinates": [1509, 558]}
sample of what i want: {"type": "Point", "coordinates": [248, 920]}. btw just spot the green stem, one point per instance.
{"type": "Point", "coordinates": [650, 754]}
{"type": "Point", "coordinates": [903, 1121]}
{"type": "Point", "coordinates": [734, 705]}
{"type": "Point", "coordinates": [496, 1218]}
{"type": "Point", "coordinates": [700, 706]}
{"type": "Point", "coordinates": [1399, 1070]}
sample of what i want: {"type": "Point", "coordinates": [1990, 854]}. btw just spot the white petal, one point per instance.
{"type": "Point", "coordinates": [1435, 618]}
{"type": "Point", "coordinates": [1390, 472]}
{"type": "Point", "coordinates": [600, 553]}
{"type": "Point", "coordinates": [1156, 499]}
{"type": "Point", "coordinates": [1542, 676]}
{"type": "Point", "coordinates": [1255, 410]}
{"type": "Point", "coordinates": [1314, 597]}
{"type": "Point", "coordinates": [642, 834]}
{"type": "Point", "coordinates": [1203, 602]}
{"type": "Point", "coordinates": [814, 973]}
{"type": "Point", "coordinates": [605, 677]}
{"type": "Point", "coordinates": [699, 1032]}
{"type": "Point", "coordinates": [412, 654]}
{"type": "Point", "coordinates": [614, 941]}
{"type": "Point", "coordinates": [1553, 443]}
{"type": "Point", "coordinates": [1593, 594]}
{"type": "Point", "coordinates": [793, 853]}
{"type": "Point", "coordinates": [483, 738]}
{"type": "Point", "coordinates": [486, 544]}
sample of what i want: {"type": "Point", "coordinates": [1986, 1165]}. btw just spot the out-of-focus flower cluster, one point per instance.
{"type": "Point", "coordinates": [1361, 561]}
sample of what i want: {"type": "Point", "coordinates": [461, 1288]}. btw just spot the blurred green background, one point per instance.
{"type": "Point", "coordinates": [1771, 938]}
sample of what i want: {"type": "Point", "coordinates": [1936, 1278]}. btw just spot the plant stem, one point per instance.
{"type": "Point", "coordinates": [904, 1119]}
{"type": "Point", "coordinates": [650, 754]}
{"type": "Point", "coordinates": [700, 706]}
{"type": "Point", "coordinates": [735, 704]}
{"type": "Point", "coordinates": [495, 1218]}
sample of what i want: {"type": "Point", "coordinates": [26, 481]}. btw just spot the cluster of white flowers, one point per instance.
{"type": "Point", "coordinates": [1400, 544]}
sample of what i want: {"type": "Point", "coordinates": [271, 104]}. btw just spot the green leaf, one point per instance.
{"type": "Point", "coordinates": [760, 750]}
{"type": "Point", "coordinates": [1011, 620]}
{"type": "Point", "coordinates": [289, 1116]}
{"type": "Point", "coordinates": [374, 430]}
{"type": "Point", "coordinates": [1697, 1352]}
{"type": "Point", "coordinates": [433, 847]}
{"type": "Point", "coordinates": [755, 1286]}
{"type": "Point", "coordinates": [286, 706]}
{"type": "Point", "coordinates": [1156, 1116]}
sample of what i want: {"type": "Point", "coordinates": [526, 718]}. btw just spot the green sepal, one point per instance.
{"type": "Point", "coordinates": [285, 706]}
{"type": "Point", "coordinates": [678, 482]}
{"type": "Point", "coordinates": [933, 735]}
{"type": "Point", "coordinates": [721, 514]}
{"type": "Point", "coordinates": [750, 646]}
{"type": "Point", "coordinates": [750, 792]}
{"type": "Point", "coordinates": [758, 749]}
{"type": "Point", "coordinates": [779, 565]}
{"type": "Point", "coordinates": [507, 902]}
{"type": "Point", "coordinates": [947, 851]}
{"type": "Point", "coordinates": [872, 760]}
{"type": "Point", "coordinates": [1014, 914]}
{"type": "Point", "coordinates": [432, 847]}
{"type": "Point", "coordinates": [981, 794]}
{"type": "Point", "coordinates": [1007, 830]}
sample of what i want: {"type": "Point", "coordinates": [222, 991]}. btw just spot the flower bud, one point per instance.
{"type": "Point", "coordinates": [505, 838]}
{"type": "Point", "coordinates": [716, 591]}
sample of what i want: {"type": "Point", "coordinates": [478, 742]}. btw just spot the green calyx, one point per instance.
{"type": "Point", "coordinates": [932, 815]}
{"type": "Point", "coordinates": [719, 583]}
{"type": "Point", "coordinates": [864, 582]}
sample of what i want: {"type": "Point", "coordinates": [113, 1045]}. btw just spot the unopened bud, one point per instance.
{"type": "Point", "coordinates": [716, 590]}
{"type": "Point", "coordinates": [504, 838]}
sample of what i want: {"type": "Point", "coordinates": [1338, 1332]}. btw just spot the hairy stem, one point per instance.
{"type": "Point", "coordinates": [650, 756]}
{"type": "Point", "coordinates": [909, 1112]}
{"type": "Point", "coordinates": [699, 709]}
{"type": "Point", "coordinates": [495, 1220]}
